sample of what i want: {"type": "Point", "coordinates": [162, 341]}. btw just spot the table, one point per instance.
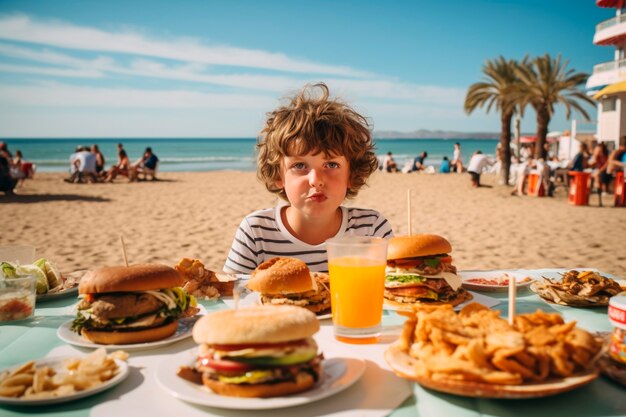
{"type": "Point", "coordinates": [138, 395]}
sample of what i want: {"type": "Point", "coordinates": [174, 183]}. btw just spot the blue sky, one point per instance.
{"type": "Point", "coordinates": [213, 69]}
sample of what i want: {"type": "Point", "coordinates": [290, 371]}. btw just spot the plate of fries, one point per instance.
{"type": "Point", "coordinates": [475, 353]}
{"type": "Point", "coordinates": [56, 380]}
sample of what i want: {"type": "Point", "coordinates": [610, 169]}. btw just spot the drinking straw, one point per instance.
{"type": "Point", "coordinates": [408, 212]}
{"type": "Point", "coordinates": [124, 250]}
{"type": "Point", "coordinates": [512, 295]}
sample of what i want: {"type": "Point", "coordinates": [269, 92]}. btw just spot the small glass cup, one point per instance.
{"type": "Point", "coordinates": [357, 282]}
{"type": "Point", "coordinates": [17, 297]}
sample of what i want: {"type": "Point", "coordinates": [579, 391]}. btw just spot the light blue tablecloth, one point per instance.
{"type": "Point", "coordinates": [34, 338]}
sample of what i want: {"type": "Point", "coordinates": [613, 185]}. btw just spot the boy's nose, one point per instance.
{"type": "Point", "coordinates": [315, 179]}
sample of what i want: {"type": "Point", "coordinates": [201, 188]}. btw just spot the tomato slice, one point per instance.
{"type": "Point", "coordinates": [446, 259]}
{"type": "Point", "coordinates": [222, 365]}
{"type": "Point", "coordinates": [230, 348]}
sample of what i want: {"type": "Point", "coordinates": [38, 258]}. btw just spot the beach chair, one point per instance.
{"type": "Point", "coordinates": [147, 172]}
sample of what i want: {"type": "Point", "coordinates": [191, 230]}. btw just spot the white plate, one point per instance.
{"type": "Point", "coordinates": [57, 363]}
{"type": "Point", "coordinates": [185, 327]}
{"type": "Point", "coordinates": [476, 298]}
{"type": "Point", "coordinates": [59, 294]}
{"type": "Point", "coordinates": [521, 279]}
{"type": "Point", "coordinates": [337, 375]}
{"type": "Point", "coordinates": [252, 299]}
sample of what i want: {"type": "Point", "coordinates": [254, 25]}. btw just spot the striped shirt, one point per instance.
{"type": "Point", "coordinates": [262, 236]}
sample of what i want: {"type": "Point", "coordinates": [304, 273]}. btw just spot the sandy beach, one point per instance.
{"type": "Point", "coordinates": [196, 215]}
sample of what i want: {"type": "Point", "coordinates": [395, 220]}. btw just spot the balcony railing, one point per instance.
{"type": "Point", "coordinates": [609, 66]}
{"type": "Point", "coordinates": [610, 22]}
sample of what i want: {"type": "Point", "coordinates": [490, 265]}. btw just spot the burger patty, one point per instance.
{"type": "Point", "coordinates": [317, 304]}
{"type": "Point", "coordinates": [410, 298]}
{"type": "Point", "coordinates": [112, 306]}
{"type": "Point", "coordinates": [316, 300]}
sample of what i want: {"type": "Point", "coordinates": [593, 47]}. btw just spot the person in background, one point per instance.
{"type": "Point", "coordinates": [418, 162]}
{"type": "Point", "coordinates": [457, 162]}
{"type": "Point", "coordinates": [123, 167]}
{"type": "Point", "coordinates": [579, 163]}
{"type": "Point", "coordinates": [444, 168]}
{"type": "Point", "coordinates": [84, 163]}
{"type": "Point", "coordinates": [22, 169]}
{"type": "Point", "coordinates": [147, 164]}
{"type": "Point", "coordinates": [478, 162]}
{"type": "Point", "coordinates": [7, 182]}
{"type": "Point", "coordinates": [313, 152]}
{"type": "Point", "coordinates": [389, 164]}
{"type": "Point", "coordinates": [618, 162]}
{"type": "Point", "coordinates": [5, 153]}
{"type": "Point", "coordinates": [598, 162]}
{"type": "Point", "coordinates": [100, 161]}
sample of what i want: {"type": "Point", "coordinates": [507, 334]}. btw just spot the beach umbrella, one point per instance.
{"type": "Point", "coordinates": [528, 139]}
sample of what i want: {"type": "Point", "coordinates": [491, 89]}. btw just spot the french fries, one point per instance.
{"type": "Point", "coordinates": [28, 381]}
{"type": "Point", "coordinates": [478, 345]}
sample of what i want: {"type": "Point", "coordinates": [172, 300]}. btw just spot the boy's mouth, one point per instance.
{"type": "Point", "coordinates": [318, 197]}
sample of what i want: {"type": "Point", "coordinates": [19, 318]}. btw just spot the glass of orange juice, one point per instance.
{"type": "Point", "coordinates": [357, 281]}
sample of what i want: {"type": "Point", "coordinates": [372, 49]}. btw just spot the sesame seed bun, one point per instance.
{"type": "Point", "coordinates": [129, 278]}
{"type": "Point", "coordinates": [258, 324]}
{"type": "Point", "coordinates": [281, 276]}
{"type": "Point", "coordinates": [417, 245]}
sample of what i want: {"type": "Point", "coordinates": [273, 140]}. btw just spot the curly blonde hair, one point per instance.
{"type": "Point", "coordinates": [315, 124]}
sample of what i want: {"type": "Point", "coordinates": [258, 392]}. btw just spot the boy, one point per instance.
{"type": "Point", "coordinates": [312, 152]}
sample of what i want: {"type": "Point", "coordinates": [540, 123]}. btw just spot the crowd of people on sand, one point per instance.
{"type": "Point", "coordinates": [418, 164]}
{"type": "Point", "coordinates": [13, 169]}
{"type": "Point", "coordinates": [593, 158]}
{"type": "Point", "coordinates": [87, 165]}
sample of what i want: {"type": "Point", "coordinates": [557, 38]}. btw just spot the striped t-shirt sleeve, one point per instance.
{"type": "Point", "coordinates": [382, 227]}
{"type": "Point", "coordinates": [367, 222]}
{"type": "Point", "coordinates": [243, 257]}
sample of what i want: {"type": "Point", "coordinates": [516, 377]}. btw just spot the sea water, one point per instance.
{"type": "Point", "coordinates": [180, 154]}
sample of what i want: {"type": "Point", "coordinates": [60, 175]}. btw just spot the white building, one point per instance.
{"type": "Point", "coordinates": [607, 83]}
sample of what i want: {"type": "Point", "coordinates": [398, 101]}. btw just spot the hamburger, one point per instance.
{"type": "Point", "coordinates": [289, 281]}
{"type": "Point", "coordinates": [262, 351]}
{"type": "Point", "coordinates": [131, 304]}
{"type": "Point", "coordinates": [419, 270]}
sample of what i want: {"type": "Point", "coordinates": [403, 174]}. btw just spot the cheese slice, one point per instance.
{"type": "Point", "coordinates": [453, 280]}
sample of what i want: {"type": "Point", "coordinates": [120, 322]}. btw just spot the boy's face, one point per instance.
{"type": "Point", "coordinates": [315, 184]}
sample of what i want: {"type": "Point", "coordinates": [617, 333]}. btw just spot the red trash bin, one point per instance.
{"type": "Point", "coordinates": [620, 190]}
{"type": "Point", "coordinates": [578, 188]}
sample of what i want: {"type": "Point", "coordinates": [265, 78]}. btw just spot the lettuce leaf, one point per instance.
{"type": "Point", "coordinates": [406, 279]}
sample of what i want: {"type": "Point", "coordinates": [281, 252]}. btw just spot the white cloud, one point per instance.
{"type": "Point", "coordinates": [70, 96]}
{"type": "Point", "coordinates": [250, 83]}
{"type": "Point", "coordinates": [23, 28]}
{"type": "Point", "coordinates": [56, 72]}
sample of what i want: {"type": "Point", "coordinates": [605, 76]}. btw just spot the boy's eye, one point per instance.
{"type": "Point", "coordinates": [299, 165]}
{"type": "Point", "coordinates": [332, 164]}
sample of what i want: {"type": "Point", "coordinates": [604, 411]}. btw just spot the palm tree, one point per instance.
{"type": "Point", "coordinates": [496, 90]}
{"type": "Point", "coordinates": [546, 81]}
